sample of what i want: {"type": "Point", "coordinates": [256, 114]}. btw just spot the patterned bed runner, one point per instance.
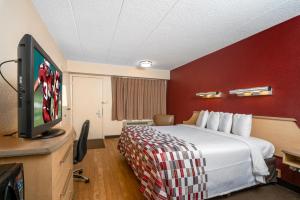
{"type": "Point", "coordinates": [168, 167]}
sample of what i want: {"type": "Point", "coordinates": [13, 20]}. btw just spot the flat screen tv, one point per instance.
{"type": "Point", "coordinates": [40, 91]}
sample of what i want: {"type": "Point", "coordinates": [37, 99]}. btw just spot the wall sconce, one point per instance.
{"type": "Point", "coordinates": [209, 94]}
{"type": "Point", "coordinates": [257, 91]}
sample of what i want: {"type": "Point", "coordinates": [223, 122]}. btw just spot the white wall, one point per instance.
{"type": "Point", "coordinates": [66, 112]}
{"type": "Point", "coordinates": [19, 17]}
{"type": "Point", "coordinates": [105, 72]}
{"type": "Point", "coordinates": [109, 127]}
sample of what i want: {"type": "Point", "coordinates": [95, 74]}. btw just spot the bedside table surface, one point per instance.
{"type": "Point", "coordinates": [293, 152]}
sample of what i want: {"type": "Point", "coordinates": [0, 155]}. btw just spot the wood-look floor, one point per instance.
{"type": "Point", "coordinates": [110, 176]}
{"type": "Point", "coordinates": [112, 179]}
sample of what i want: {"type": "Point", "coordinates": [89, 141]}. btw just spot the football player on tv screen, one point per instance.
{"type": "Point", "coordinates": [46, 79]}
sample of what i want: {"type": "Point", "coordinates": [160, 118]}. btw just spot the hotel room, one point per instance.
{"type": "Point", "coordinates": [143, 99]}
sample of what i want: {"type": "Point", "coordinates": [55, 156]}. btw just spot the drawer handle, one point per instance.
{"type": "Point", "coordinates": [66, 155]}
{"type": "Point", "coordinates": [64, 191]}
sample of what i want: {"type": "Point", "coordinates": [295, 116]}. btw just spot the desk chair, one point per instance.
{"type": "Point", "coordinates": [80, 151]}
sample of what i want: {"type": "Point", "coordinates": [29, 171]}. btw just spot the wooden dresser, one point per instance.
{"type": "Point", "coordinates": [48, 164]}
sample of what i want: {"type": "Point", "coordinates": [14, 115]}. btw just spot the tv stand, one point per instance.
{"type": "Point", "coordinates": [53, 132]}
{"type": "Point", "coordinates": [48, 164]}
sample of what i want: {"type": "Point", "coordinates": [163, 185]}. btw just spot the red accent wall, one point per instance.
{"type": "Point", "coordinates": [269, 58]}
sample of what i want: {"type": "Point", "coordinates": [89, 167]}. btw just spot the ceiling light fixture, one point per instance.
{"type": "Point", "coordinates": [145, 63]}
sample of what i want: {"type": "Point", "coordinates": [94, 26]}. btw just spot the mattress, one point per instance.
{"type": "Point", "coordinates": [232, 162]}
{"type": "Point", "coordinates": [266, 148]}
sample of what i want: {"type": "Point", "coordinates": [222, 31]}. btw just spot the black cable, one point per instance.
{"type": "Point", "coordinates": [10, 134]}
{"type": "Point", "coordinates": [8, 61]}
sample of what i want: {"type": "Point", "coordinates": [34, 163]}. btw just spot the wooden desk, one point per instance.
{"type": "Point", "coordinates": [48, 164]}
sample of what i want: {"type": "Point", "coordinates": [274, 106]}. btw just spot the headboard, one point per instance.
{"type": "Point", "coordinates": [283, 133]}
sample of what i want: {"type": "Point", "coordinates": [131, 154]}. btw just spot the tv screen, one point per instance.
{"type": "Point", "coordinates": [40, 91]}
{"type": "Point", "coordinates": [47, 90]}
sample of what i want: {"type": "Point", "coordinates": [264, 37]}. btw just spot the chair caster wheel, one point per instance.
{"type": "Point", "coordinates": [87, 181]}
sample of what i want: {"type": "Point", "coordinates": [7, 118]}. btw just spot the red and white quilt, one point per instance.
{"type": "Point", "coordinates": [168, 168]}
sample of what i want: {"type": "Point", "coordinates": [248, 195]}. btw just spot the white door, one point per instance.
{"type": "Point", "coordinates": [87, 105]}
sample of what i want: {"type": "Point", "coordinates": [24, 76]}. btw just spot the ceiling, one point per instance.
{"type": "Point", "coordinates": [168, 32]}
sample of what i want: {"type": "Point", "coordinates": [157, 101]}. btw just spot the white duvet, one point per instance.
{"type": "Point", "coordinates": [232, 162]}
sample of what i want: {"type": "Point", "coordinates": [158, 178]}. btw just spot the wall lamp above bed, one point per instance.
{"type": "Point", "coordinates": [256, 91]}
{"type": "Point", "coordinates": [209, 95]}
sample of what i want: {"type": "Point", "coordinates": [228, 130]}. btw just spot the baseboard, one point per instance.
{"type": "Point", "coordinates": [111, 136]}
{"type": "Point", "coordinates": [94, 143]}
{"type": "Point", "coordinates": [288, 185]}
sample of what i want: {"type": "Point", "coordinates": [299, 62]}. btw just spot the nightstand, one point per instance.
{"type": "Point", "coordinates": [291, 157]}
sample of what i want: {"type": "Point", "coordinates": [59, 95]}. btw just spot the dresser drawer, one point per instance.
{"type": "Point", "coordinates": [64, 190]}
{"type": "Point", "coordinates": [70, 191]}
{"type": "Point", "coordinates": [62, 161]}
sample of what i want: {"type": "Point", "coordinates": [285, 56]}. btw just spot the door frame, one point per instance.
{"type": "Point", "coordinates": [72, 75]}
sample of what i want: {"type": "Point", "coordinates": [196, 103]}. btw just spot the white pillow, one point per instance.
{"type": "Point", "coordinates": [202, 119]}
{"type": "Point", "coordinates": [225, 123]}
{"type": "Point", "coordinates": [242, 125]}
{"type": "Point", "coordinates": [213, 120]}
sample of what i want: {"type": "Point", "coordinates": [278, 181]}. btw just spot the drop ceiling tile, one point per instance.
{"type": "Point", "coordinates": [170, 32]}
{"type": "Point", "coordinates": [138, 19]}
{"type": "Point", "coordinates": [59, 19]}
{"type": "Point", "coordinates": [96, 22]}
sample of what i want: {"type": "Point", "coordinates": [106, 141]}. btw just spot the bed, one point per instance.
{"type": "Point", "coordinates": [188, 162]}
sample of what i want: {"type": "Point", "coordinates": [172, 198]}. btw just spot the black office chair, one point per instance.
{"type": "Point", "coordinates": [80, 151]}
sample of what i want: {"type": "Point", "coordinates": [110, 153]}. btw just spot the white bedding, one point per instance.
{"type": "Point", "coordinates": [232, 162]}
{"type": "Point", "coordinates": [266, 148]}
